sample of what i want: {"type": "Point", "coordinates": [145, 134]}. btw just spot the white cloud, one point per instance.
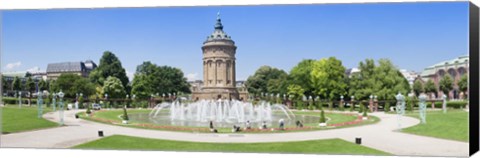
{"type": "Point", "coordinates": [34, 69]}
{"type": "Point", "coordinates": [192, 76]}
{"type": "Point", "coordinates": [129, 75]}
{"type": "Point", "coordinates": [11, 66]}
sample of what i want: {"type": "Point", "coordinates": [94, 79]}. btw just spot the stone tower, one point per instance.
{"type": "Point", "coordinates": [218, 66]}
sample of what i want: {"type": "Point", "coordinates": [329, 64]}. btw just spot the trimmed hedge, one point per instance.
{"type": "Point", "coordinates": [12, 100]}
{"type": "Point", "coordinates": [450, 104]}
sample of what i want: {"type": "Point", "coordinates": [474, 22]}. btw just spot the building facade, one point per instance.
{"type": "Point", "coordinates": [456, 68]}
{"type": "Point", "coordinates": [218, 68]}
{"type": "Point", "coordinates": [54, 70]}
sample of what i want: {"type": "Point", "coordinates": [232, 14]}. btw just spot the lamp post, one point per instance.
{"type": "Point", "coordinates": [133, 101]}
{"type": "Point", "coordinates": [20, 99]}
{"type": "Point", "coordinates": [39, 104]}
{"type": "Point", "coordinates": [54, 101]}
{"type": "Point", "coordinates": [127, 100]}
{"type": "Point", "coordinates": [106, 100]}
{"type": "Point", "coordinates": [61, 94]}
{"type": "Point", "coordinates": [375, 101]}
{"type": "Point", "coordinates": [352, 103]}
{"type": "Point", "coordinates": [80, 101]}
{"type": "Point", "coordinates": [341, 103]}
{"type": "Point", "coordinates": [371, 103]}
{"type": "Point", "coordinates": [39, 100]}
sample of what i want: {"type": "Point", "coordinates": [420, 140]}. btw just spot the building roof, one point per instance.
{"type": "Point", "coordinates": [218, 34]}
{"type": "Point", "coordinates": [66, 67]}
{"type": "Point", "coordinates": [462, 60]}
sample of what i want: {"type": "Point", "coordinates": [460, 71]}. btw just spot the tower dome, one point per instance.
{"type": "Point", "coordinates": [218, 33]}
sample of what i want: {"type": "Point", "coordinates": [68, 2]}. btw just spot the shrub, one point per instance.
{"type": "Point", "coordinates": [88, 110]}
{"type": "Point", "coordinates": [322, 117]}
{"type": "Point", "coordinates": [299, 105]}
{"type": "Point", "coordinates": [364, 111]}
{"type": "Point", "coordinates": [12, 100]}
{"type": "Point", "coordinates": [387, 106]}
{"type": "Point", "coordinates": [125, 115]}
{"type": "Point", "coordinates": [451, 104]}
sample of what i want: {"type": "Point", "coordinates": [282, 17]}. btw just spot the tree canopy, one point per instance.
{"type": "Point", "coordinates": [446, 84]}
{"type": "Point", "coordinates": [418, 87]}
{"type": "Point", "coordinates": [109, 65]}
{"type": "Point", "coordinates": [301, 75]}
{"type": "Point", "coordinates": [463, 84]}
{"type": "Point", "coordinates": [327, 78]}
{"type": "Point", "coordinates": [71, 84]}
{"type": "Point", "coordinates": [430, 87]}
{"type": "Point", "coordinates": [17, 84]}
{"type": "Point", "coordinates": [267, 80]}
{"type": "Point", "coordinates": [152, 79]}
{"type": "Point", "coordinates": [384, 80]}
{"type": "Point", "coordinates": [114, 88]}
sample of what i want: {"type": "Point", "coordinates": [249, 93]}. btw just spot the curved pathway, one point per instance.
{"type": "Point", "coordinates": [382, 136]}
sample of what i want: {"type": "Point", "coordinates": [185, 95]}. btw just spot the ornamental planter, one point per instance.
{"type": "Point", "coordinates": [365, 118]}
{"type": "Point", "coordinates": [125, 121]}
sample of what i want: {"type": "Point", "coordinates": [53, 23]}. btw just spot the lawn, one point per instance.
{"type": "Point", "coordinates": [452, 125]}
{"type": "Point", "coordinates": [113, 117]}
{"type": "Point", "coordinates": [15, 119]}
{"type": "Point", "coordinates": [328, 146]}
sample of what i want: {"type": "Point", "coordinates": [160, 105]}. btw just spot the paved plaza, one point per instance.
{"type": "Point", "coordinates": [382, 136]}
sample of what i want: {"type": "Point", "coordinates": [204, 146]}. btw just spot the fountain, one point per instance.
{"type": "Point", "coordinates": [224, 113]}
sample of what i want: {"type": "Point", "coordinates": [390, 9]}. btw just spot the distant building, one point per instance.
{"type": "Point", "coordinates": [456, 68]}
{"type": "Point", "coordinates": [411, 76]}
{"type": "Point", "coordinates": [54, 70]}
{"type": "Point", "coordinates": [351, 71]}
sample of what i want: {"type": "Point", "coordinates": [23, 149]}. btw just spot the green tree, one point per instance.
{"type": "Point", "coordinates": [362, 83]}
{"type": "Point", "coordinates": [463, 85]}
{"type": "Point", "coordinates": [4, 84]}
{"type": "Point", "coordinates": [17, 84]}
{"type": "Point", "coordinates": [389, 81]}
{"type": "Point", "coordinates": [259, 82]}
{"type": "Point", "coordinates": [114, 88]}
{"type": "Point", "coordinates": [296, 92]}
{"type": "Point", "coordinates": [322, 116]}
{"type": "Point", "coordinates": [430, 87]}
{"type": "Point", "coordinates": [71, 84]}
{"type": "Point", "coordinates": [125, 114]}
{"type": "Point", "coordinates": [446, 84]}
{"type": "Point", "coordinates": [301, 75]}
{"type": "Point", "coordinates": [152, 79]}
{"type": "Point", "coordinates": [418, 87]}
{"type": "Point", "coordinates": [327, 77]}
{"type": "Point", "coordinates": [109, 65]}
{"type": "Point", "coordinates": [42, 85]}
{"type": "Point", "coordinates": [30, 87]}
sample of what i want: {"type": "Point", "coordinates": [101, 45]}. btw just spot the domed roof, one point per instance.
{"type": "Point", "coordinates": [218, 33]}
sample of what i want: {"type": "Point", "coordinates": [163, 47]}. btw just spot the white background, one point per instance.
{"type": "Point", "coordinates": [68, 153]}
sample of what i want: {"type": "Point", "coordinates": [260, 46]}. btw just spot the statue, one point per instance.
{"type": "Point", "coordinates": [422, 107]}
{"type": "Point", "coordinates": [400, 108]}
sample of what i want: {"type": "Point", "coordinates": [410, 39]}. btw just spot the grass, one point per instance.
{"type": "Point", "coordinates": [453, 125]}
{"type": "Point", "coordinates": [113, 115]}
{"type": "Point", "coordinates": [328, 146]}
{"type": "Point", "coordinates": [15, 119]}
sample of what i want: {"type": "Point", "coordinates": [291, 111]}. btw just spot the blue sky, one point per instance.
{"type": "Point", "coordinates": [412, 35]}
